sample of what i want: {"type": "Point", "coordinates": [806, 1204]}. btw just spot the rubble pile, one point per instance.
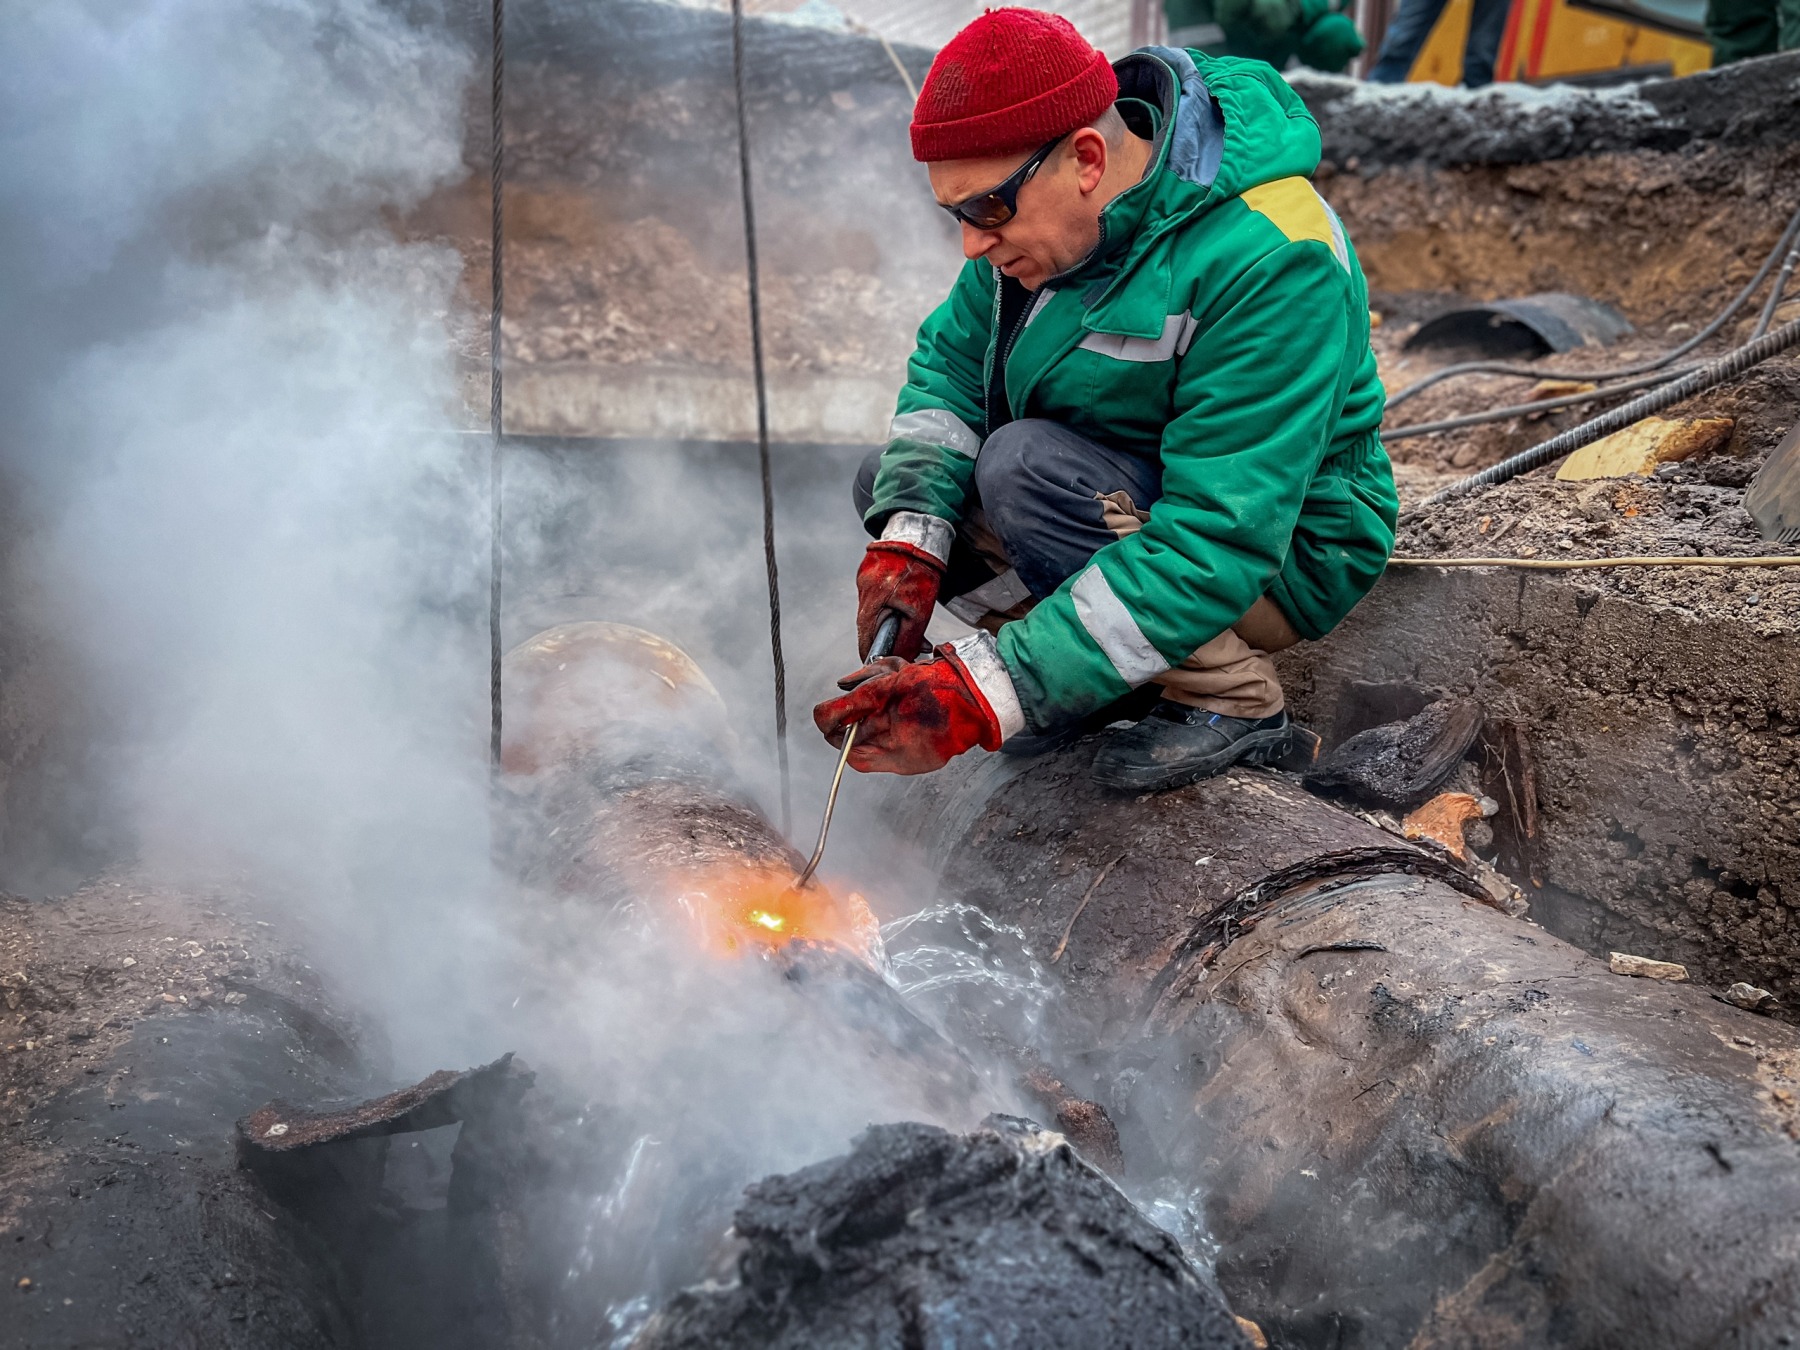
{"type": "Point", "coordinates": [1004, 1237]}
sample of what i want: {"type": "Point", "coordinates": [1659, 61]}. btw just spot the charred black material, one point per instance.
{"type": "Point", "coordinates": [918, 1237]}
{"type": "Point", "coordinates": [132, 1208]}
{"type": "Point", "coordinates": [1402, 763]}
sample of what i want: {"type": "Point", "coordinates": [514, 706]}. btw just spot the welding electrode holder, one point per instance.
{"type": "Point", "coordinates": [886, 632]}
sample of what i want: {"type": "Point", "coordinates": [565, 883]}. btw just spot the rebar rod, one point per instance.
{"type": "Point", "coordinates": [1714, 372]}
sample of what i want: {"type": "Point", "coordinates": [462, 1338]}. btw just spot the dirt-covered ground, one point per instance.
{"type": "Point", "coordinates": [624, 248]}
{"type": "Point", "coordinates": [80, 976]}
{"type": "Point", "coordinates": [1661, 202]}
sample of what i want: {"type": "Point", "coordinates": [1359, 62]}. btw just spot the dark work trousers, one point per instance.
{"type": "Point", "coordinates": [1409, 28]}
{"type": "Point", "coordinates": [1046, 499]}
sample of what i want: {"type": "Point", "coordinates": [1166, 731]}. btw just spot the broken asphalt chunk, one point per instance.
{"type": "Point", "coordinates": [1004, 1236]}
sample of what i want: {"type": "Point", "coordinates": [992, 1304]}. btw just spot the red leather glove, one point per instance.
{"type": "Point", "coordinates": [900, 577]}
{"type": "Point", "coordinates": [915, 717]}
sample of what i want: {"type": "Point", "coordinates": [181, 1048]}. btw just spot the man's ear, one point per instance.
{"type": "Point", "coordinates": [1090, 151]}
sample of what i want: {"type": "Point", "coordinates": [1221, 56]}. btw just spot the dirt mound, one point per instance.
{"type": "Point", "coordinates": [1751, 103]}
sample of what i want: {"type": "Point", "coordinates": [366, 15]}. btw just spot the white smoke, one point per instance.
{"type": "Point", "coordinates": [251, 527]}
{"type": "Point", "coordinates": [256, 544]}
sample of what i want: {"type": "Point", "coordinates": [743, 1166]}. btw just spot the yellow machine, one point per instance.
{"type": "Point", "coordinates": [1552, 39]}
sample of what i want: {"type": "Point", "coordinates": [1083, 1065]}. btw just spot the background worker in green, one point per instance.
{"type": "Point", "coordinates": [1139, 440]}
{"type": "Point", "coordinates": [1739, 29]}
{"type": "Point", "coordinates": [1318, 32]}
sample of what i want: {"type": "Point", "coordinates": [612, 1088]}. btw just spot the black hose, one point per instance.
{"type": "Point", "coordinates": [1790, 236]}
{"type": "Point", "coordinates": [1541, 405]}
{"type": "Point", "coordinates": [1714, 372]}
{"type": "Point", "coordinates": [1778, 290]}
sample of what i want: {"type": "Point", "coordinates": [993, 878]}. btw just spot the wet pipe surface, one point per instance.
{"type": "Point", "coordinates": [1410, 1117]}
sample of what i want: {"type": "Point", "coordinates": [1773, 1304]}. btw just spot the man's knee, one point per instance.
{"type": "Point", "coordinates": [1038, 483]}
{"type": "Point", "coordinates": [862, 491]}
{"type": "Point", "coordinates": [1015, 464]}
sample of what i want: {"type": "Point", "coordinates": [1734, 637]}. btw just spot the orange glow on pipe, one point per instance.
{"type": "Point", "coordinates": [738, 907]}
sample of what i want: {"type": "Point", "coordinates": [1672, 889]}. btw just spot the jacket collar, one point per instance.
{"type": "Point", "coordinates": [1184, 155]}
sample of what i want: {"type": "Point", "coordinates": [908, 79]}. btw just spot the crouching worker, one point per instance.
{"type": "Point", "coordinates": [1139, 441]}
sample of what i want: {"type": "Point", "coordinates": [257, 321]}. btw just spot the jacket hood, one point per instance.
{"type": "Point", "coordinates": [1231, 124]}
{"type": "Point", "coordinates": [1223, 125]}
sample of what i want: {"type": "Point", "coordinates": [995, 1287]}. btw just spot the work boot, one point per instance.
{"type": "Point", "coordinates": [1177, 744]}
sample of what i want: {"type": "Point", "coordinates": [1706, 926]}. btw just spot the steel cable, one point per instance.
{"type": "Point", "coordinates": [1790, 236]}
{"type": "Point", "coordinates": [762, 408]}
{"type": "Point", "coordinates": [1782, 278]}
{"type": "Point", "coordinates": [496, 298]}
{"type": "Point", "coordinates": [1714, 372]}
{"type": "Point", "coordinates": [1539, 405]}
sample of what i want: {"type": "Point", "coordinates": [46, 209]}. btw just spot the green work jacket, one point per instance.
{"type": "Point", "coordinates": [1222, 325]}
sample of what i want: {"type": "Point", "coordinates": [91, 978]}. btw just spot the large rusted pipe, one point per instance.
{"type": "Point", "coordinates": [1412, 1119]}
{"type": "Point", "coordinates": [617, 755]}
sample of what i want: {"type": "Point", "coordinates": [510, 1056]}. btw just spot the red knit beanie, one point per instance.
{"type": "Point", "coordinates": [1010, 81]}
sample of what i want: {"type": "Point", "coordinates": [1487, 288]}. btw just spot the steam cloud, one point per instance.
{"type": "Point", "coordinates": [247, 526]}
{"type": "Point", "coordinates": [253, 553]}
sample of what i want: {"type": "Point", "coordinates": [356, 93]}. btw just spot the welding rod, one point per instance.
{"type": "Point", "coordinates": [883, 645]}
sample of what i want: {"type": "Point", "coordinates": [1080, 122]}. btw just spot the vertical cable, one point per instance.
{"type": "Point", "coordinates": [762, 406]}
{"type": "Point", "coordinates": [496, 284]}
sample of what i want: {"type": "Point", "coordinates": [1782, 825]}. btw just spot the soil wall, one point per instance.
{"type": "Point", "coordinates": [1661, 705]}
{"type": "Point", "coordinates": [1663, 737]}
{"type": "Point", "coordinates": [626, 306]}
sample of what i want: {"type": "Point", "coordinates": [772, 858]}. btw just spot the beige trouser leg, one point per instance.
{"type": "Point", "coordinates": [1232, 674]}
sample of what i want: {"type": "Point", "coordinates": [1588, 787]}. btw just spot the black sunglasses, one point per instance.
{"type": "Point", "coordinates": [991, 209]}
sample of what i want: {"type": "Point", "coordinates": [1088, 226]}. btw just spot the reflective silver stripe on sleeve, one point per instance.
{"type": "Point", "coordinates": [1177, 333]}
{"type": "Point", "coordinates": [1189, 326]}
{"type": "Point", "coordinates": [982, 658]}
{"type": "Point", "coordinates": [991, 597]}
{"type": "Point", "coordinates": [1113, 629]}
{"type": "Point", "coordinates": [1339, 245]}
{"type": "Point", "coordinates": [935, 426]}
{"type": "Point", "coordinates": [921, 531]}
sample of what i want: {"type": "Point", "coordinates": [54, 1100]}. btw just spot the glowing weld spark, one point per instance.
{"type": "Point", "coordinates": [773, 922]}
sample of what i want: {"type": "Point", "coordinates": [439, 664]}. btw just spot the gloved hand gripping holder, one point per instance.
{"type": "Point", "coordinates": [883, 645]}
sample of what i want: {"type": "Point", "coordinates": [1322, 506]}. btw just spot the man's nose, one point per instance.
{"type": "Point", "coordinates": [977, 243]}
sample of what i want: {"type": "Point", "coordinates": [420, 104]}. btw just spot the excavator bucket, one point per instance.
{"type": "Point", "coordinates": [1774, 498]}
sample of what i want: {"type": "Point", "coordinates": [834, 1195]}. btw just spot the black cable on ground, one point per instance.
{"type": "Point", "coordinates": [496, 283]}
{"type": "Point", "coordinates": [762, 406]}
{"type": "Point", "coordinates": [1790, 236]}
{"type": "Point", "coordinates": [1715, 372]}
{"type": "Point", "coordinates": [1782, 278]}
{"type": "Point", "coordinates": [1541, 405]}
